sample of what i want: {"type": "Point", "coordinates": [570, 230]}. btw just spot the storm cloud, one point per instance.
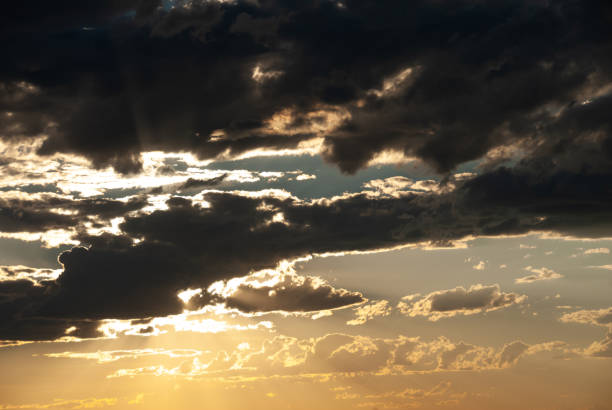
{"type": "Point", "coordinates": [447, 83]}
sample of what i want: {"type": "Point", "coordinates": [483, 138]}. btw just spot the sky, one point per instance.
{"type": "Point", "coordinates": [333, 204]}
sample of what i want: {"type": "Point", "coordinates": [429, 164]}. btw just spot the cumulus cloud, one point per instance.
{"type": "Point", "coordinates": [538, 274]}
{"type": "Point", "coordinates": [282, 290]}
{"type": "Point", "coordinates": [460, 301]}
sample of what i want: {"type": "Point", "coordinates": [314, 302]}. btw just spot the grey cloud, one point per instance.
{"type": "Point", "coordinates": [451, 302]}
{"type": "Point", "coordinates": [292, 294]}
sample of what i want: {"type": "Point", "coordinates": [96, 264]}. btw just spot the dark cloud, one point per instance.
{"type": "Point", "coordinates": [19, 302]}
{"type": "Point", "coordinates": [113, 79]}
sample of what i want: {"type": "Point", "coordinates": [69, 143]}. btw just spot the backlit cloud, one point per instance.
{"type": "Point", "coordinates": [282, 290]}
{"type": "Point", "coordinates": [369, 311]}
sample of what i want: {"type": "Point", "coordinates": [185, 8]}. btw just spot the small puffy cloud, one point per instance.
{"type": "Point", "coordinates": [376, 308]}
{"type": "Point", "coordinates": [460, 301]}
{"type": "Point", "coordinates": [305, 177]}
{"type": "Point", "coordinates": [480, 265]}
{"type": "Point", "coordinates": [538, 274]}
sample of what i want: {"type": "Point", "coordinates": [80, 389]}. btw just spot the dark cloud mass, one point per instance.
{"type": "Point", "coordinates": [522, 86]}
{"type": "Point", "coordinates": [138, 273]}
{"type": "Point", "coordinates": [445, 82]}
